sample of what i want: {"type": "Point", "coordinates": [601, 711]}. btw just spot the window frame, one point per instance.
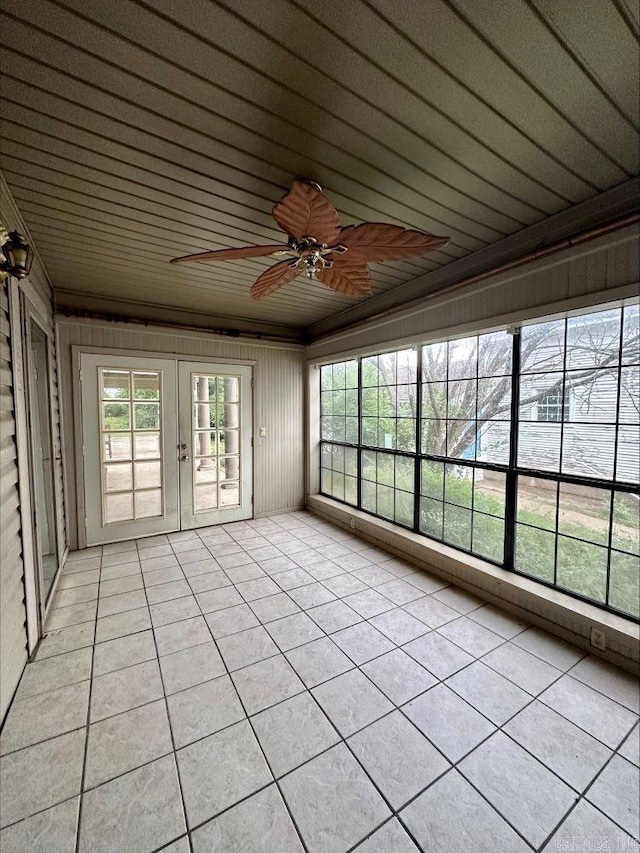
{"type": "Point", "coordinates": [511, 470]}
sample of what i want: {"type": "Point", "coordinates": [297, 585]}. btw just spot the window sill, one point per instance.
{"type": "Point", "coordinates": [550, 609]}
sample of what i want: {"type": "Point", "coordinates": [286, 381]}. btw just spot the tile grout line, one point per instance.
{"type": "Point", "coordinates": [590, 686]}
{"type": "Point", "coordinates": [500, 728]}
{"type": "Point", "coordinates": [356, 665]}
{"type": "Point", "coordinates": [454, 765]}
{"type": "Point", "coordinates": [451, 764]}
{"type": "Point", "coordinates": [535, 697]}
{"type": "Point", "coordinates": [505, 640]}
{"type": "Point", "coordinates": [307, 689]}
{"type": "Point", "coordinates": [400, 648]}
{"type": "Point", "coordinates": [343, 740]}
{"type": "Point", "coordinates": [583, 798]}
{"type": "Point", "coordinates": [257, 740]}
{"type": "Point", "coordinates": [171, 734]}
{"type": "Point", "coordinates": [88, 723]}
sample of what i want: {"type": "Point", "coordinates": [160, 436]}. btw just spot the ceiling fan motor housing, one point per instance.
{"type": "Point", "coordinates": [311, 255]}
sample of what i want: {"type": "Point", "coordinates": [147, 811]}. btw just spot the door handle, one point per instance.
{"type": "Point", "coordinates": [185, 457]}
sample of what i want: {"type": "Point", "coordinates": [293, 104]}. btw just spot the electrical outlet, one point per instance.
{"type": "Point", "coordinates": [598, 639]}
{"type": "Point", "coordinates": [352, 523]}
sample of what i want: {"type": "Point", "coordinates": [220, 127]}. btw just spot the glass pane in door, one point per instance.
{"type": "Point", "coordinates": [131, 444]}
{"type": "Point", "coordinates": [216, 441]}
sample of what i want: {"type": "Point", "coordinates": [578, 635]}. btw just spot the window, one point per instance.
{"type": "Point", "coordinates": [131, 444]}
{"type": "Point", "coordinates": [339, 414]}
{"type": "Point", "coordinates": [553, 406]}
{"type": "Point", "coordinates": [389, 400]}
{"type": "Point", "coordinates": [568, 523]}
{"type": "Point", "coordinates": [339, 401]}
{"type": "Point", "coordinates": [339, 468]}
{"type": "Point", "coordinates": [523, 449]}
{"type": "Point", "coordinates": [387, 486]}
{"type": "Point", "coordinates": [466, 414]}
{"type": "Point", "coordinates": [215, 422]}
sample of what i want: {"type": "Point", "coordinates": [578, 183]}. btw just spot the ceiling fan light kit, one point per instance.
{"type": "Point", "coordinates": [321, 249]}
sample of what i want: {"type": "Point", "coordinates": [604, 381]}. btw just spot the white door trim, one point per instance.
{"type": "Point", "coordinates": [176, 355]}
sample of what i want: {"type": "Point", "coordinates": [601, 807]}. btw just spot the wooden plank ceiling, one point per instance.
{"type": "Point", "coordinates": [133, 132]}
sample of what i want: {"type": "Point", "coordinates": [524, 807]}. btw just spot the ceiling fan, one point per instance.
{"type": "Point", "coordinates": [319, 247]}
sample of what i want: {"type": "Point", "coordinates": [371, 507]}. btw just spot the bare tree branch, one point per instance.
{"type": "Point", "coordinates": [595, 342]}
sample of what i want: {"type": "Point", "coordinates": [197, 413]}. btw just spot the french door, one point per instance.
{"type": "Point", "coordinates": [215, 443]}
{"type": "Point", "coordinates": [166, 445]}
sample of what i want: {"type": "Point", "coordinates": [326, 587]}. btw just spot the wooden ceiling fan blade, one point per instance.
{"type": "Point", "coordinates": [233, 254]}
{"type": "Point", "coordinates": [274, 278]}
{"type": "Point", "coordinates": [306, 212]}
{"type": "Point", "coordinates": [378, 241]}
{"type": "Point", "coordinates": [348, 278]}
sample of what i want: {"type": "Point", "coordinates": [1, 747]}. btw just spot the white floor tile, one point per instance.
{"type": "Point", "coordinates": [564, 748]}
{"type": "Point", "coordinates": [524, 792]}
{"type": "Point", "coordinates": [399, 759]}
{"type": "Point", "coordinates": [606, 720]}
{"type": "Point", "coordinates": [451, 815]}
{"type": "Point", "coordinates": [351, 701]}
{"type": "Point", "coordinates": [587, 824]}
{"type": "Point", "coordinates": [203, 710]}
{"type": "Point", "coordinates": [333, 802]}
{"type": "Point", "coordinates": [399, 676]}
{"type": "Point", "coordinates": [270, 590]}
{"type": "Point", "coordinates": [126, 741]}
{"type": "Point", "coordinates": [448, 721]}
{"type": "Point", "coordinates": [53, 829]}
{"type": "Point", "coordinates": [292, 732]}
{"type": "Point", "coordinates": [220, 770]}
{"type": "Point", "coordinates": [40, 776]}
{"type": "Point", "coordinates": [138, 811]}
{"type": "Point", "coordinates": [260, 823]}
{"type": "Point", "coordinates": [615, 792]}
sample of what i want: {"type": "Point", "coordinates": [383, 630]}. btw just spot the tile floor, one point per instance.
{"type": "Point", "coordinates": [280, 686]}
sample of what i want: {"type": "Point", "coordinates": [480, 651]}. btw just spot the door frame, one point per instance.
{"type": "Point", "coordinates": [77, 350]}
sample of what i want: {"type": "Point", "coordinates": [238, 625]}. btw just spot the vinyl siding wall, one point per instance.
{"type": "Point", "coordinates": [40, 294]}
{"type": "Point", "coordinates": [16, 567]}
{"type": "Point", "coordinates": [15, 560]}
{"type": "Point", "coordinates": [13, 632]}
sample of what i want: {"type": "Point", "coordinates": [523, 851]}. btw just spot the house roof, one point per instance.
{"type": "Point", "coordinates": [137, 131]}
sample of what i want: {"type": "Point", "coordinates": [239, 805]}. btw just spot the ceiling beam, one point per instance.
{"type": "Point", "coordinates": [73, 303]}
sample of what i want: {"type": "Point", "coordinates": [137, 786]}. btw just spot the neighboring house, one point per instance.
{"type": "Point", "coordinates": [571, 427]}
